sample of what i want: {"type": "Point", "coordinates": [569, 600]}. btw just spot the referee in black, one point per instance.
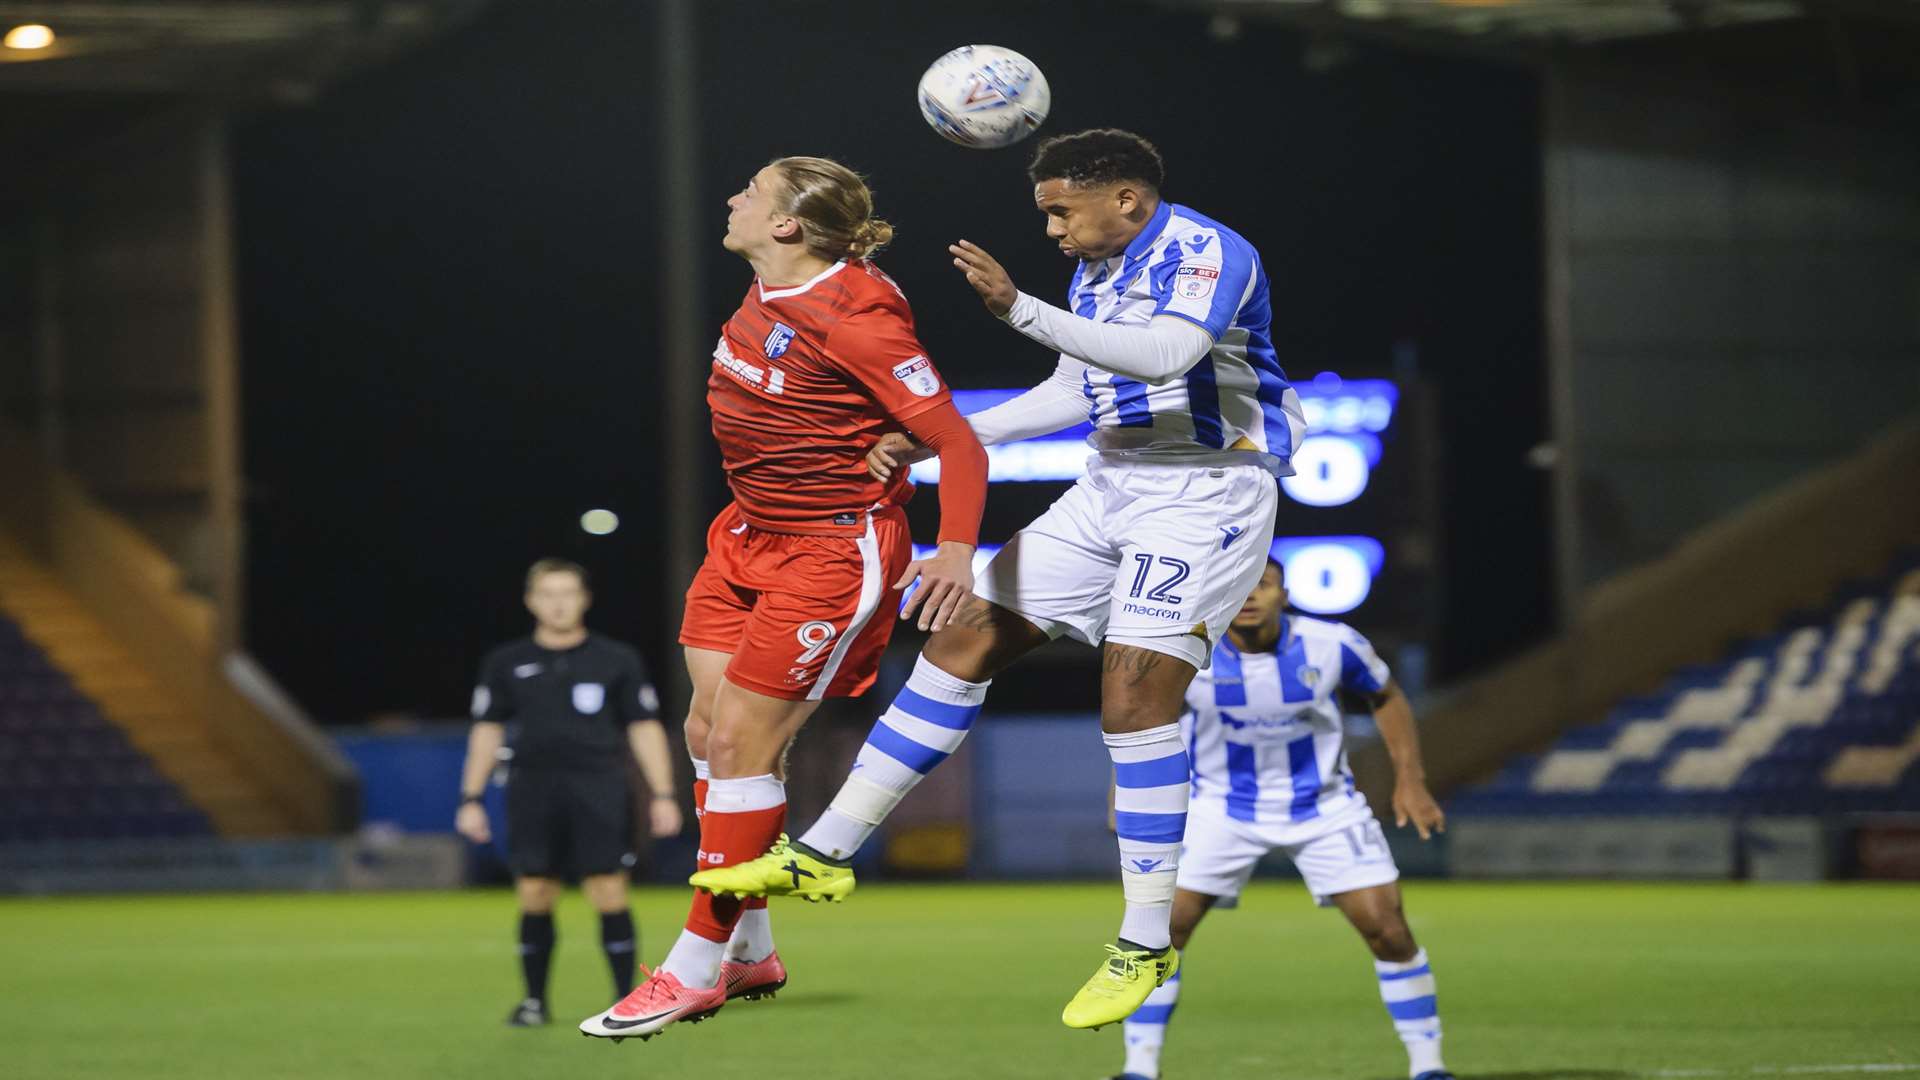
{"type": "Point", "coordinates": [578, 705]}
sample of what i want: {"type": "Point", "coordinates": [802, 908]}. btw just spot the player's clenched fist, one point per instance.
{"type": "Point", "coordinates": [893, 451]}
{"type": "Point", "coordinates": [946, 579]}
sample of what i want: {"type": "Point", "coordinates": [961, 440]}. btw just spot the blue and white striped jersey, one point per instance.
{"type": "Point", "coordinates": [1190, 266]}
{"type": "Point", "coordinates": [1264, 731]}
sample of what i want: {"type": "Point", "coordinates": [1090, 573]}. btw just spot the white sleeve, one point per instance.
{"type": "Point", "coordinates": [1055, 404]}
{"type": "Point", "coordinates": [1164, 349]}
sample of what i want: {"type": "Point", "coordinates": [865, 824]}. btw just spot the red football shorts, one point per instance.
{"type": "Point", "coordinates": [805, 617]}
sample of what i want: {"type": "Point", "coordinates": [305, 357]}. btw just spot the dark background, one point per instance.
{"type": "Point", "coordinates": [451, 273]}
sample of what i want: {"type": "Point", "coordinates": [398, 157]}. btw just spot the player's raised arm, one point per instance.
{"type": "Point", "coordinates": [1166, 348]}
{"type": "Point", "coordinates": [1055, 404]}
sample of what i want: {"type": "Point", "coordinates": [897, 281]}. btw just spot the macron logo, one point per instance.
{"type": "Point", "coordinates": [1233, 533]}
{"type": "Point", "coordinates": [1147, 866]}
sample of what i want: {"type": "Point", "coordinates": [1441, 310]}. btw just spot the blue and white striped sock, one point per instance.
{"type": "Point", "coordinates": [1408, 990]}
{"type": "Point", "coordinates": [925, 724]}
{"type": "Point", "coordinates": [1150, 776]}
{"type": "Point", "coordinates": [1147, 1029]}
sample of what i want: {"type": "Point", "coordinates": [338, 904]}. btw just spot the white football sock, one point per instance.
{"type": "Point", "coordinates": [925, 724]}
{"type": "Point", "coordinates": [694, 960]}
{"type": "Point", "coordinates": [1412, 999]}
{"type": "Point", "coordinates": [1151, 775]}
{"type": "Point", "coordinates": [752, 939]}
{"type": "Point", "coordinates": [1147, 1028]}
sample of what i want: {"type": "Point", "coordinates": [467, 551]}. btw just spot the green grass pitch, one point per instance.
{"type": "Point", "coordinates": [1537, 982]}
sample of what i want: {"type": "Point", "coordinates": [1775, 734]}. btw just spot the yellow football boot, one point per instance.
{"type": "Point", "coordinates": [1119, 987]}
{"type": "Point", "coordinates": [780, 872]}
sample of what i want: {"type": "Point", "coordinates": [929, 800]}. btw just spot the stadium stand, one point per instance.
{"type": "Point", "coordinates": [66, 772]}
{"type": "Point", "coordinates": [1821, 716]}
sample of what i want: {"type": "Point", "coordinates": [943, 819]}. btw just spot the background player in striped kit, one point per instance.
{"type": "Point", "coordinates": [803, 569]}
{"type": "Point", "coordinates": [1167, 350]}
{"type": "Point", "coordinates": [1270, 771]}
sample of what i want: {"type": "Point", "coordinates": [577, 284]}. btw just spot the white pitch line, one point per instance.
{"type": "Point", "coordinates": [1780, 1071]}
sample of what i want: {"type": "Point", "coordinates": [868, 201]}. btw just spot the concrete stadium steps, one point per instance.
{"type": "Point", "coordinates": [176, 742]}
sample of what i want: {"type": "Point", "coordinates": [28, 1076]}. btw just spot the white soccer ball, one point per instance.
{"type": "Point", "coordinates": [984, 96]}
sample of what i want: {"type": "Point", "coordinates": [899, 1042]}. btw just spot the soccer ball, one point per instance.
{"type": "Point", "coordinates": [984, 96]}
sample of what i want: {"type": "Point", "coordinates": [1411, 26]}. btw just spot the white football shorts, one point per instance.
{"type": "Point", "coordinates": [1338, 854]}
{"type": "Point", "coordinates": [1159, 555]}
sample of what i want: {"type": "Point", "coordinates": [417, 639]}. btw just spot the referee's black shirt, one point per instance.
{"type": "Point", "coordinates": [567, 708]}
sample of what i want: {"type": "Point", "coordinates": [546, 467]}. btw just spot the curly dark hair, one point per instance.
{"type": "Point", "coordinates": [1096, 157]}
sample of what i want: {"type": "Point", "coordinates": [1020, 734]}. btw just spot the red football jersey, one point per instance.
{"type": "Point", "coordinates": [805, 379]}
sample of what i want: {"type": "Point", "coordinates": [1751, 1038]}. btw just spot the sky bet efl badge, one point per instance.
{"type": "Point", "coordinates": [777, 341]}
{"type": "Point", "coordinates": [919, 376]}
{"type": "Point", "coordinates": [1194, 282]}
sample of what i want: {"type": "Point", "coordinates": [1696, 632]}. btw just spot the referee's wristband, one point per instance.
{"type": "Point", "coordinates": [465, 799]}
{"type": "Point", "coordinates": [667, 795]}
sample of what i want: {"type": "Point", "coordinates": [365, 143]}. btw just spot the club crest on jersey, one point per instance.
{"type": "Point", "coordinates": [778, 340]}
{"type": "Point", "coordinates": [1194, 282]}
{"type": "Point", "coordinates": [919, 376]}
{"type": "Point", "coordinates": [1309, 676]}
{"type": "Point", "coordinates": [588, 697]}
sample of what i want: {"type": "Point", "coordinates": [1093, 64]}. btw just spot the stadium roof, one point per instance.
{"type": "Point", "coordinates": [1527, 26]}
{"type": "Point", "coordinates": [211, 47]}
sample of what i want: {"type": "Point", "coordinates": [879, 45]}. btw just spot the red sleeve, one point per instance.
{"type": "Point", "coordinates": [877, 348]}
{"type": "Point", "coordinates": [963, 470]}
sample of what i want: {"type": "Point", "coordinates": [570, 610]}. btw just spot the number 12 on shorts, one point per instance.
{"type": "Point", "coordinates": [1175, 571]}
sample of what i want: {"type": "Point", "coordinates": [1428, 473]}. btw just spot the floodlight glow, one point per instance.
{"type": "Point", "coordinates": [29, 37]}
{"type": "Point", "coordinates": [599, 522]}
{"type": "Point", "coordinates": [1329, 575]}
{"type": "Point", "coordinates": [1328, 470]}
{"type": "Point", "coordinates": [1356, 410]}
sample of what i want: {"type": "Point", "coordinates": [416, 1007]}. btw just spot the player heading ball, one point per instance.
{"type": "Point", "coordinates": [1165, 345]}
{"type": "Point", "coordinates": [805, 567]}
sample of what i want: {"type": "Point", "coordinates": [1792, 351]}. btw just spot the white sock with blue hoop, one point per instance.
{"type": "Point", "coordinates": [1150, 777]}
{"type": "Point", "coordinates": [1147, 1029]}
{"type": "Point", "coordinates": [926, 723]}
{"type": "Point", "coordinates": [1412, 1000]}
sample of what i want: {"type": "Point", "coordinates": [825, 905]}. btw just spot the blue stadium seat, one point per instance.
{"type": "Point", "coordinates": [66, 772]}
{"type": "Point", "coordinates": [1787, 776]}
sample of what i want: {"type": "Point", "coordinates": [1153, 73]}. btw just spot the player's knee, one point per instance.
{"type": "Point", "coordinates": [606, 892]}
{"type": "Point", "coordinates": [961, 653]}
{"type": "Point", "coordinates": [537, 895]}
{"type": "Point", "coordinates": [981, 641]}
{"type": "Point", "coordinates": [698, 728]}
{"type": "Point", "coordinates": [1134, 714]}
{"type": "Point", "coordinates": [732, 747]}
{"type": "Point", "coordinates": [1391, 939]}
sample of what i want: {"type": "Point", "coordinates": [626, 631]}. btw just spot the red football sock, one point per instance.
{"type": "Point", "coordinates": [726, 839]}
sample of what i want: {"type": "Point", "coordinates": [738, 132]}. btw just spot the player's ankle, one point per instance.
{"type": "Point", "coordinates": [812, 853]}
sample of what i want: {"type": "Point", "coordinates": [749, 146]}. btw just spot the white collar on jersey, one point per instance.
{"type": "Point", "coordinates": [798, 289]}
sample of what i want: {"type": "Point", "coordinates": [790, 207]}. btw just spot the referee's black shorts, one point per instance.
{"type": "Point", "coordinates": [569, 822]}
